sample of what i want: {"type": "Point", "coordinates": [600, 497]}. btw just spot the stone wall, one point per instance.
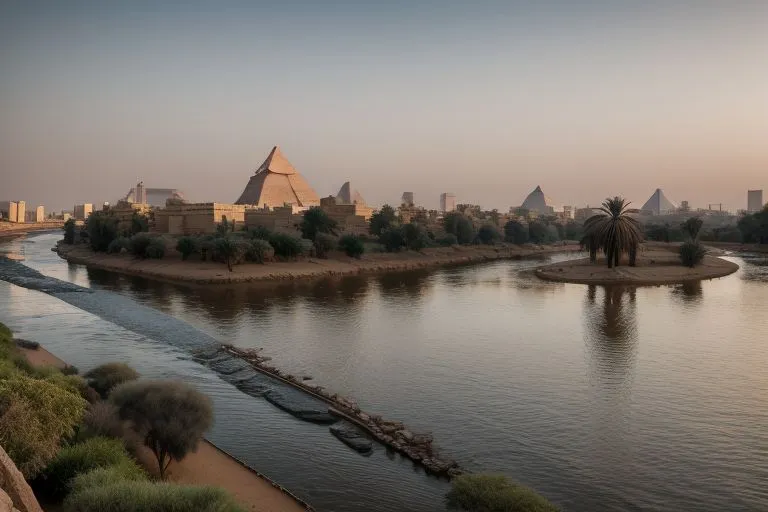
{"type": "Point", "coordinates": [197, 218]}
{"type": "Point", "coordinates": [14, 489]}
{"type": "Point", "coordinates": [280, 219]}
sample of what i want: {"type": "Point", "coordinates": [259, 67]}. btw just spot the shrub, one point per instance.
{"type": "Point", "coordinates": [459, 225]}
{"type": "Point", "coordinates": [31, 345]}
{"type": "Point", "coordinates": [69, 231]}
{"type": "Point", "coordinates": [258, 232]}
{"type": "Point", "coordinates": [145, 496]}
{"type": "Point", "coordinates": [352, 246]}
{"type": "Point", "coordinates": [117, 245]}
{"type": "Point", "coordinates": [229, 250]}
{"type": "Point", "coordinates": [138, 244]}
{"type": "Point", "coordinates": [286, 246]}
{"type": "Point", "coordinates": [493, 493]}
{"type": "Point", "coordinates": [70, 370]}
{"type": "Point", "coordinates": [125, 471]}
{"type": "Point", "coordinates": [692, 253]}
{"type": "Point", "coordinates": [316, 221]}
{"type": "Point", "coordinates": [139, 223]}
{"type": "Point", "coordinates": [415, 236]}
{"type": "Point", "coordinates": [392, 239]}
{"type": "Point", "coordinates": [101, 419]}
{"type": "Point", "coordinates": [98, 452]}
{"type": "Point", "coordinates": [34, 417]}
{"type": "Point", "coordinates": [488, 234]}
{"type": "Point", "coordinates": [323, 244]}
{"type": "Point", "coordinates": [259, 251]}
{"type": "Point", "coordinates": [102, 229]}
{"type": "Point", "coordinates": [105, 377]}
{"type": "Point", "coordinates": [187, 245]}
{"type": "Point", "coordinates": [170, 416]}
{"type": "Point", "coordinates": [447, 240]}
{"type": "Point", "coordinates": [515, 232]}
{"type": "Point", "coordinates": [155, 249]}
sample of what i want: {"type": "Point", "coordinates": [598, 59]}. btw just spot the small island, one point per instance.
{"type": "Point", "coordinates": [618, 236]}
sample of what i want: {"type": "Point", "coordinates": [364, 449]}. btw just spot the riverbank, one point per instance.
{"type": "Point", "coordinates": [172, 268]}
{"type": "Point", "coordinates": [656, 265]}
{"type": "Point", "coordinates": [209, 465]}
{"type": "Point", "coordinates": [13, 230]}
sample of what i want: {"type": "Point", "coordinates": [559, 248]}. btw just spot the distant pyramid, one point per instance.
{"type": "Point", "coordinates": [538, 202]}
{"type": "Point", "coordinates": [348, 195]}
{"type": "Point", "coordinates": [658, 203]}
{"type": "Point", "coordinates": [277, 183]}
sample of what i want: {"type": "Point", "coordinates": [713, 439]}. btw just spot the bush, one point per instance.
{"type": "Point", "coordinates": [286, 246]}
{"type": "Point", "coordinates": [102, 229]}
{"type": "Point", "coordinates": [493, 493]}
{"type": "Point", "coordinates": [692, 253]}
{"type": "Point", "coordinates": [150, 497]}
{"type": "Point", "coordinates": [117, 245]}
{"type": "Point", "coordinates": [170, 416]}
{"type": "Point", "coordinates": [259, 251]}
{"type": "Point", "coordinates": [459, 225]}
{"type": "Point", "coordinates": [258, 232]}
{"type": "Point", "coordinates": [70, 370]}
{"type": "Point", "coordinates": [229, 250]}
{"type": "Point", "coordinates": [101, 419]}
{"type": "Point", "coordinates": [323, 244]}
{"type": "Point", "coordinates": [30, 345]}
{"type": "Point", "coordinates": [126, 471]}
{"type": "Point", "coordinates": [447, 240]}
{"type": "Point", "coordinates": [69, 231]}
{"type": "Point", "coordinates": [187, 245]}
{"type": "Point", "coordinates": [138, 244]}
{"type": "Point", "coordinates": [98, 452]}
{"type": "Point", "coordinates": [488, 234]}
{"type": "Point", "coordinates": [515, 232]}
{"type": "Point", "coordinates": [415, 236]}
{"type": "Point", "coordinates": [156, 249]}
{"type": "Point", "coordinates": [382, 220]}
{"type": "Point", "coordinates": [316, 221]}
{"type": "Point", "coordinates": [352, 246]}
{"type": "Point", "coordinates": [105, 377]}
{"type": "Point", "coordinates": [392, 239]}
{"type": "Point", "coordinates": [34, 418]}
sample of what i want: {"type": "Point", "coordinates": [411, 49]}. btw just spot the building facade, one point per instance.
{"type": "Point", "coordinates": [447, 202]}
{"type": "Point", "coordinates": [13, 211]}
{"type": "Point", "coordinates": [36, 215]}
{"type": "Point", "coordinates": [754, 201]}
{"type": "Point", "coordinates": [197, 218]}
{"type": "Point", "coordinates": [82, 211]}
{"type": "Point", "coordinates": [407, 199]}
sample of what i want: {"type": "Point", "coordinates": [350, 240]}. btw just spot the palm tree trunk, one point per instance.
{"type": "Point", "coordinates": [632, 256]}
{"type": "Point", "coordinates": [609, 257]}
{"type": "Point", "coordinates": [617, 257]}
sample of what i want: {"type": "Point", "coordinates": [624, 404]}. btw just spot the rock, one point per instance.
{"type": "Point", "coordinates": [13, 483]}
{"type": "Point", "coordinates": [352, 437]}
{"type": "Point", "coordinates": [405, 434]}
{"type": "Point", "coordinates": [364, 417]}
{"type": "Point", "coordinates": [6, 505]}
{"type": "Point", "coordinates": [300, 404]}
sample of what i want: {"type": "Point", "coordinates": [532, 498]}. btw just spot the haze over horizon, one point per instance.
{"type": "Point", "coordinates": [483, 99]}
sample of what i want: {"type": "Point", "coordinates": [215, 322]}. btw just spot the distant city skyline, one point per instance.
{"type": "Point", "coordinates": [485, 99]}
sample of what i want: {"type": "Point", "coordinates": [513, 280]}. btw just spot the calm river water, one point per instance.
{"type": "Point", "coordinates": [599, 398]}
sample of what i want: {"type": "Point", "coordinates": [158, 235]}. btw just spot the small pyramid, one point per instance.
{"type": "Point", "coordinates": [277, 183]}
{"type": "Point", "coordinates": [658, 203]}
{"type": "Point", "coordinates": [538, 202]}
{"type": "Point", "coordinates": [347, 195]}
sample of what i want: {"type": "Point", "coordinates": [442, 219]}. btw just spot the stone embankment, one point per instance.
{"type": "Point", "coordinates": [393, 434]}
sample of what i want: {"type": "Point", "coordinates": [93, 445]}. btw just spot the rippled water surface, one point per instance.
{"type": "Point", "coordinates": [600, 398]}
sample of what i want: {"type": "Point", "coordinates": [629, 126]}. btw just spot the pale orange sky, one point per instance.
{"type": "Point", "coordinates": [485, 100]}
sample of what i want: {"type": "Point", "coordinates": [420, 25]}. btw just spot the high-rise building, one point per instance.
{"type": "Point", "coordinates": [21, 211]}
{"type": "Point", "coordinates": [82, 211]}
{"type": "Point", "coordinates": [684, 206]}
{"type": "Point", "coordinates": [36, 215]}
{"type": "Point", "coordinates": [141, 193]}
{"type": "Point", "coordinates": [447, 202]}
{"type": "Point", "coordinates": [407, 199]}
{"type": "Point", "coordinates": [754, 201]}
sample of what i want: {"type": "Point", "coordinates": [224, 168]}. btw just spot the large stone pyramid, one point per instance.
{"type": "Point", "coordinates": [348, 195]}
{"type": "Point", "coordinates": [538, 202]}
{"type": "Point", "coordinates": [277, 183]}
{"type": "Point", "coordinates": [658, 203]}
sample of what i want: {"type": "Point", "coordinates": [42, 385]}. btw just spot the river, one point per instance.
{"type": "Point", "coordinates": [599, 398]}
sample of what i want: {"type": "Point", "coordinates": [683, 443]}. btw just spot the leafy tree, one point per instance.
{"type": "Point", "coordinates": [538, 232]}
{"type": "Point", "coordinates": [170, 416]}
{"type": "Point", "coordinates": [692, 227]}
{"type": "Point", "coordinates": [259, 251]}
{"type": "Point", "coordinates": [352, 246]}
{"type": "Point", "coordinates": [494, 493]}
{"type": "Point", "coordinates": [392, 239]}
{"type": "Point", "coordinates": [259, 232]}
{"type": "Point", "coordinates": [286, 246]}
{"type": "Point", "coordinates": [139, 223]}
{"type": "Point", "coordinates": [104, 378]}
{"type": "Point", "coordinates": [692, 253]}
{"type": "Point", "coordinates": [657, 232]}
{"type": "Point", "coordinates": [155, 249]}
{"type": "Point", "coordinates": [316, 221]}
{"type": "Point", "coordinates": [35, 416]}
{"type": "Point", "coordinates": [187, 245]}
{"type": "Point", "coordinates": [573, 231]}
{"type": "Point", "coordinates": [447, 240]}
{"type": "Point", "coordinates": [324, 243]}
{"type": "Point", "coordinates": [415, 236]}
{"type": "Point", "coordinates": [69, 231]}
{"type": "Point", "coordinates": [102, 229]}
{"type": "Point", "coordinates": [488, 234]}
{"type": "Point", "coordinates": [382, 220]}
{"type": "Point", "coordinates": [138, 244]}
{"type": "Point", "coordinates": [754, 228]}
{"type": "Point", "coordinates": [459, 225]}
{"type": "Point", "coordinates": [230, 251]}
{"type": "Point", "coordinates": [614, 231]}
{"type": "Point", "coordinates": [515, 232]}
{"type": "Point", "coordinates": [117, 245]}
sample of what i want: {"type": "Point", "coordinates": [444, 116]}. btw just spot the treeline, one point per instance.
{"type": "Point", "coordinates": [750, 229]}
{"type": "Point", "coordinates": [76, 439]}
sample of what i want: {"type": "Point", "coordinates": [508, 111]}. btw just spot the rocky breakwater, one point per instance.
{"type": "Point", "coordinates": [418, 447]}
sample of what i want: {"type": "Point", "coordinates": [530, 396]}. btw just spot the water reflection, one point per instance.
{"type": "Point", "coordinates": [414, 284]}
{"type": "Point", "coordinates": [690, 292]}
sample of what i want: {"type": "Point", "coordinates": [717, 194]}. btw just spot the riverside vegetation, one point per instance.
{"type": "Point", "coordinates": [76, 439]}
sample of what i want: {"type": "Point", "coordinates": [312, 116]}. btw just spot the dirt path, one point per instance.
{"type": "Point", "coordinates": [207, 466]}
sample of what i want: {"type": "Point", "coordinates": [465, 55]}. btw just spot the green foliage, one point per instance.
{"type": "Point", "coordinates": [107, 376]}
{"type": "Point", "coordinates": [5, 332]}
{"type": "Point", "coordinates": [488, 234]}
{"type": "Point", "coordinates": [225, 227]}
{"type": "Point", "coordinates": [754, 228]}
{"type": "Point", "coordinates": [614, 231]}
{"type": "Point", "coordinates": [138, 244]}
{"type": "Point", "coordinates": [383, 220]}
{"type": "Point", "coordinates": [35, 416]}
{"type": "Point", "coordinates": [692, 253]}
{"type": "Point", "coordinates": [259, 251]}
{"type": "Point", "coordinates": [170, 416]}
{"type": "Point", "coordinates": [187, 245]}
{"type": "Point", "coordinates": [259, 232]}
{"type": "Point", "coordinates": [156, 249]}
{"type": "Point", "coordinates": [323, 244]}
{"type": "Point", "coordinates": [125, 471]}
{"type": "Point", "coordinates": [415, 236]}
{"type": "Point", "coordinates": [539, 233]}
{"type": "Point", "coordinates": [691, 227]}
{"type": "Point", "coordinates": [494, 493]}
{"type": "Point", "coordinates": [97, 452]}
{"type": "Point", "coordinates": [230, 250]}
{"type": "Point", "coordinates": [316, 221]}
{"type": "Point", "coordinates": [392, 239]}
{"type": "Point", "coordinates": [101, 419]}
{"type": "Point", "coordinates": [138, 496]}
{"type": "Point", "coordinates": [352, 245]}
{"type": "Point", "coordinates": [69, 231]}
{"type": "Point", "coordinates": [460, 226]}
{"type": "Point", "coordinates": [447, 240]}
{"type": "Point", "coordinates": [286, 247]}
{"type": "Point", "coordinates": [139, 223]}
{"type": "Point", "coordinates": [117, 245]}
{"type": "Point", "coordinates": [515, 232]}
{"type": "Point", "coordinates": [102, 229]}
{"type": "Point", "coordinates": [572, 231]}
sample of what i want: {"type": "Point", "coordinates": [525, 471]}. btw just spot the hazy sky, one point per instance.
{"type": "Point", "coordinates": [484, 99]}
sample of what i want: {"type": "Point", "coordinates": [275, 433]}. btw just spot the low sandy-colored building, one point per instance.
{"type": "Point", "coordinates": [283, 219]}
{"type": "Point", "coordinates": [351, 218]}
{"type": "Point", "coordinates": [197, 218]}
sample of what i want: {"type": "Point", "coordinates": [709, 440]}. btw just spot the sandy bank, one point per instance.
{"type": "Point", "coordinates": [11, 230]}
{"type": "Point", "coordinates": [208, 465]}
{"type": "Point", "coordinates": [655, 266]}
{"type": "Point", "coordinates": [172, 268]}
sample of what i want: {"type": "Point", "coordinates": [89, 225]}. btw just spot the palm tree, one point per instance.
{"type": "Point", "coordinates": [692, 227]}
{"type": "Point", "coordinates": [614, 231]}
